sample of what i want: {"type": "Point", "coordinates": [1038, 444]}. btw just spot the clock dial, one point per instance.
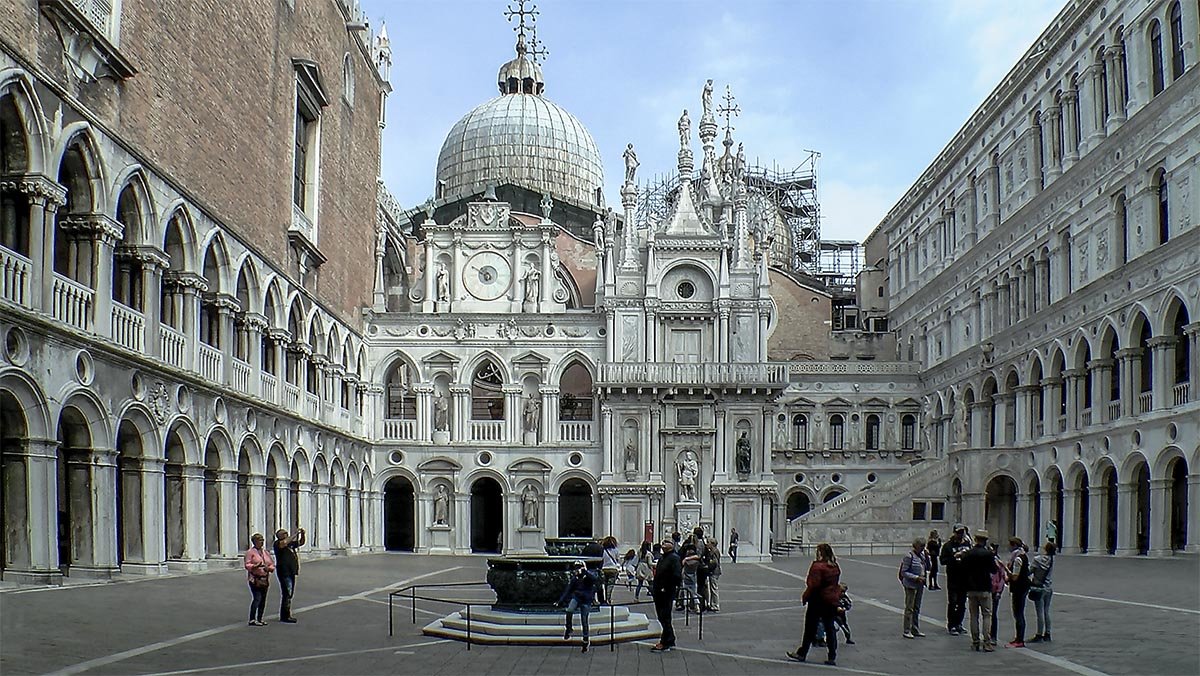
{"type": "Point", "coordinates": [487, 275]}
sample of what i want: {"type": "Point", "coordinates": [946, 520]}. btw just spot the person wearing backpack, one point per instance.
{"type": "Point", "coordinates": [713, 598]}
{"type": "Point", "coordinates": [1018, 588]}
{"type": "Point", "coordinates": [951, 557]}
{"type": "Point", "coordinates": [913, 578]}
{"type": "Point", "coordinates": [1041, 590]}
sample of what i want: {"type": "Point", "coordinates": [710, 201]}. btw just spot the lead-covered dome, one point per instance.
{"type": "Point", "coordinates": [523, 138]}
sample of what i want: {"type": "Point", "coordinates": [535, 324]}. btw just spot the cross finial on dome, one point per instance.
{"type": "Point", "coordinates": [520, 12]}
{"type": "Point", "coordinates": [730, 110]}
{"type": "Point", "coordinates": [521, 75]}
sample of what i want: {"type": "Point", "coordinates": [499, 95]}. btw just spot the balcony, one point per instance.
{"type": "Point", "coordinates": [291, 397]}
{"type": "Point", "coordinates": [128, 327]}
{"type": "Point", "coordinates": [14, 277]}
{"type": "Point", "coordinates": [1086, 416]}
{"type": "Point", "coordinates": [1112, 410]}
{"type": "Point", "coordinates": [72, 302]}
{"type": "Point", "coordinates": [241, 376]}
{"type": "Point", "coordinates": [268, 386]}
{"type": "Point", "coordinates": [1180, 394]}
{"type": "Point", "coordinates": [575, 431]}
{"type": "Point", "coordinates": [486, 430]}
{"type": "Point", "coordinates": [1145, 402]}
{"type": "Point", "coordinates": [399, 430]}
{"type": "Point", "coordinates": [312, 406]}
{"type": "Point", "coordinates": [715, 374]}
{"type": "Point", "coordinates": [171, 345]}
{"type": "Point", "coordinates": [210, 363]}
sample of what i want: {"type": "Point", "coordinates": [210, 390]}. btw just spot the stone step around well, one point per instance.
{"type": "Point", "coordinates": [503, 628]}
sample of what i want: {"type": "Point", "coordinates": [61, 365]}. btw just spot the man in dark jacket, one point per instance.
{"type": "Point", "coordinates": [956, 593]}
{"type": "Point", "coordinates": [287, 567]}
{"type": "Point", "coordinates": [978, 565]}
{"type": "Point", "coordinates": [579, 595]}
{"type": "Point", "coordinates": [668, 573]}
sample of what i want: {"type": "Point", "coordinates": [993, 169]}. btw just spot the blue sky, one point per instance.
{"type": "Point", "coordinates": [876, 86]}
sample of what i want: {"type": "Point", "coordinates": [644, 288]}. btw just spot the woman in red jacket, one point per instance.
{"type": "Point", "coordinates": [821, 591]}
{"type": "Point", "coordinates": [259, 566]}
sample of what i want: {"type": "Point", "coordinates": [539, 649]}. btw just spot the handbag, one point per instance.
{"type": "Point", "coordinates": [1035, 593]}
{"type": "Point", "coordinates": [260, 581]}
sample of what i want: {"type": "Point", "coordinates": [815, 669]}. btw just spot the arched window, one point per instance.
{"type": "Point", "coordinates": [1176, 41]}
{"type": "Point", "coordinates": [872, 432]}
{"type": "Point", "coordinates": [487, 396]}
{"type": "Point", "coordinates": [800, 431]}
{"type": "Point", "coordinates": [1164, 211]}
{"type": "Point", "coordinates": [908, 432]}
{"type": "Point", "coordinates": [1157, 79]}
{"type": "Point", "coordinates": [575, 401]}
{"type": "Point", "coordinates": [837, 432]}
{"type": "Point", "coordinates": [401, 402]}
{"type": "Point", "coordinates": [1076, 118]}
{"type": "Point", "coordinates": [1102, 95]}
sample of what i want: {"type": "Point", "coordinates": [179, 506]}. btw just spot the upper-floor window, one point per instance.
{"type": "Point", "coordinates": [310, 99]}
{"type": "Point", "coordinates": [302, 179]}
{"type": "Point", "coordinates": [1176, 19]}
{"type": "Point", "coordinates": [872, 432]}
{"type": "Point", "coordinates": [1157, 79]}
{"type": "Point", "coordinates": [908, 432]}
{"type": "Point", "coordinates": [1103, 84]}
{"type": "Point", "coordinates": [800, 430]}
{"type": "Point", "coordinates": [1164, 211]}
{"type": "Point", "coordinates": [1123, 227]}
{"type": "Point", "coordinates": [837, 432]}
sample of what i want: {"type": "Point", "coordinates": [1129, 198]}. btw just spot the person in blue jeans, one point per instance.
{"type": "Point", "coordinates": [579, 595]}
{"type": "Point", "coordinates": [287, 567]}
{"type": "Point", "coordinates": [1041, 590]}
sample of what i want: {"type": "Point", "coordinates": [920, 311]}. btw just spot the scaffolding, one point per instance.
{"type": "Point", "coordinates": [840, 262]}
{"type": "Point", "coordinates": [782, 208]}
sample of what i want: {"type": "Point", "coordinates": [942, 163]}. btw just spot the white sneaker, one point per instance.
{"type": "Point", "coordinates": [908, 634]}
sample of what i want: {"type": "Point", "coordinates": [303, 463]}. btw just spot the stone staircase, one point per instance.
{"type": "Point", "coordinates": [877, 518]}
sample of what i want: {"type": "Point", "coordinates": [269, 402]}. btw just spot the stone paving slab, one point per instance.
{"type": "Point", "coordinates": [1111, 615]}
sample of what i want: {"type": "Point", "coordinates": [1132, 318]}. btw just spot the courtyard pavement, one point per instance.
{"type": "Point", "coordinates": [1111, 616]}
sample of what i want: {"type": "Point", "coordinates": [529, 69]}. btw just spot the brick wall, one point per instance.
{"type": "Point", "coordinates": [212, 106]}
{"type": "Point", "coordinates": [804, 321]}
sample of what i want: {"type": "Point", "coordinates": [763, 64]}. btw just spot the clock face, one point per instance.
{"type": "Point", "coordinates": [487, 275]}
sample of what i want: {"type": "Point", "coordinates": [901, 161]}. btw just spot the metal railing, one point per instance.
{"type": "Point", "coordinates": [410, 592]}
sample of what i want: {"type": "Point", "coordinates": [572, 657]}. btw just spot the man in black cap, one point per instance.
{"type": "Point", "coordinates": [978, 565]}
{"type": "Point", "coordinates": [668, 573]}
{"type": "Point", "coordinates": [956, 593]}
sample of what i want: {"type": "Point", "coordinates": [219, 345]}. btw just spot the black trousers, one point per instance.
{"type": "Point", "coordinates": [1018, 606]}
{"type": "Point", "coordinates": [662, 608]}
{"type": "Point", "coordinates": [956, 606]}
{"type": "Point", "coordinates": [823, 614]}
{"type": "Point", "coordinates": [287, 588]}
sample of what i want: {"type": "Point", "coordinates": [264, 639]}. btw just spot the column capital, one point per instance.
{"type": "Point", "coordinates": [39, 189]}
{"type": "Point", "coordinates": [1128, 353]}
{"type": "Point", "coordinates": [1162, 342]}
{"type": "Point", "coordinates": [1100, 364]}
{"type": "Point", "coordinates": [97, 227]}
{"type": "Point", "coordinates": [185, 280]}
{"type": "Point", "coordinates": [280, 336]}
{"type": "Point", "coordinates": [254, 321]}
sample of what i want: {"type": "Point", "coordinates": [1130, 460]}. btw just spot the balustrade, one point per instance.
{"type": "Point", "coordinates": [1112, 410]}
{"type": "Point", "coordinates": [1180, 394]}
{"type": "Point", "coordinates": [487, 430]}
{"type": "Point", "coordinates": [72, 302]}
{"type": "Point", "coordinates": [241, 376]}
{"type": "Point", "coordinates": [171, 344]}
{"type": "Point", "coordinates": [312, 405]}
{"type": "Point", "coordinates": [14, 277]}
{"type": "Point", "coordinates": [400, 430]}
{"type": "Point", "coordinates": [268, 385]}
{"type": "Point", "coordinates": [1086, 415]}
{"type": "Point", "coordinates": [1145, 402]}
{"type": "Point", "coordinates": [128, 327]}
{"type": "Point", "coordinates": [291, 397]}
{"type": "Point", "coordinates": [712, 374]}
{"type": "Point", "coordinates": [575, 430]}
{"type": "Point", "coordinates": [211, 361]}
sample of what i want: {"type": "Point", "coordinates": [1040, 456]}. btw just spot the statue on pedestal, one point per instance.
{"type": "Point", "coordinates": [685, 129]}
{"type": "Point", "coordinates": [533, 284]}
{"type": "Point", "coordinates": [533, 413]}
{"type": "Point", "coordinates": [631, 454]}
{"type": "Point", "coordinates": [706, 101]}
{"type": "Point", "coordinates": [443, 283]}
{"type": "Point", "coordinates": [689, 471]}
{"type": "Point", "coordinates": [631, 163]}
{"type": "Point", "coordinates": [441, 413]}
{"type": "Point", "coordinates": [743, 454]}
{"type": "Point", "coordinates": [529, 507]}
{"type": "Point", "coordinates": [441, 505]}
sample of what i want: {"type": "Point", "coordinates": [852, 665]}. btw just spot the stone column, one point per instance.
{"type": "Point", "coordinates": [1115, 56]}
{"type": "Point", "coordinates": [1098, 519]}
{"type": "Point", "coordinates": [424, 413]}
{"type": "Point", "coordinates": [1023, 430]}
{"type": "Point", "coordinates": [103, 483]}
{"type": "Point", "coordinates": [1053, 139]}
{"type": "Point", "coordinates": [514, 413]}
{"type": "Point", "coordinates": [550, 413]}
{"type": "Point", "coordinates": [1101, 388]}
{"type": "Point", "coordinates": [1160, 517]}
{"type": "Point", "coordinates": [1128, 359]}
{"type": "Point", "coordinates": [1193, 522]}
{"type": "Point", "coordinates": [45, 198]}
{"type": "Point", "coordinates": [652, 445]}
{"type": "Point", "coordinates": [1191, 334]}
{"type": "Point", "coordinates": [353, 543]}
{"type": "Point", "coordinates": [304, 513]}
{"type": "Point", "coordinates": [980, 411]}
{"type": "Point", "coordinates": [1050, 403]}
{"type": "Point", "coordinates": [32, 547]}
{"type": "Point", "coordinates": [609, 441]}
{"type": "Point", "coordinates": [227, 497]}
{"type": "Point", "coordinates": [1127, 520]}
{"type": "Point", "coordinates": [722, 337]}
{"type": "Point", "coordinates": [1163, 364]}
{"type": "Point", "coordinates": [1098, 132]}
{"type": "Point", "coordinates": [1068, 527]}
{"type": "Point", "coordinates": [154, 536]}
{"type": "Point", "coordinates": [460, 412]}
{"type": "Point", "coordinates": [337, 517]}
{"type": "Point", "coordinates": [1023, 526]}
{"type": "Point", "coordinates": [256, 501]}
{"type": "Point", "coordinates": [193, 514]}
{"type": "Point", "coordinates": [989, 314]}
{"type": "Point", "coordinates": [324, 520]}
{"type": "Point", "coordinates": [1070, 102]}
{"type": "Point", "coordinates": [651, 334]}
{"type": "Point", "coordinates": [722, 443]}
{"type": "Point", "coordinates": [1075, 384]}
{"type": "Point", "coordinates": [189, 287]}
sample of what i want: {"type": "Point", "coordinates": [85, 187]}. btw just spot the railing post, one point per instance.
{"type": "Point", "coordinates": [700, 631]}
{"type": "Point", "coordinates": [412, 598]}
{"type": "Point", "coordinates": [612, 628]}
{"type": "Point", "coordinates": [389, 615]}
{"type": "Point", "coordinates": [468, 626]}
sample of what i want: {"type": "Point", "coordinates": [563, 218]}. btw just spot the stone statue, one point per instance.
{"type": "Point", "coordinates": [443, 283]}
{"type": "Point", "coordinates": [428, 209]}
{"type": "Point", "coordinates": [532, 413]}
{"type": "Point", "coordinates": [533, 284]}
{"type": "Point", "coordinates": [441, 413]}
{"type": "Point", "coordinates": [739, 170]}
{"type": "Point", "coordinates": [685, 130]}
{"type": "Point", "coordinates": [689, 471]}
{"type": "Point", "coordinates": [598, 233]}
{"type": "Point", "coordinates": [631, 453]}
{"type": "Point", "coordinates": [743, 454]}
{"type": "Point", "coordinates": [546, 205]}
{"type": "Point", "coordinates": [441, 505]}
{"type": "Point", "coordinates": [706, 100]}
{"type": "Point", "coordinates": [631, 163]}
{"type": "Point", "coordinates": [962, 421]}
{"type": "Point", "coordinates": [529, 507]}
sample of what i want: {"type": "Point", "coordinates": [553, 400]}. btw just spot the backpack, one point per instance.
{"type": "Point", "coordinates": [1023, 573]}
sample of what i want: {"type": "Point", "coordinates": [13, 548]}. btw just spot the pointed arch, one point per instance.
{"type": "Point", "coordinates": [218, 441]}
{"type": "Point", "coordinates": [81, 169]}
{"type": "Point", "coordinates": [179, 237]}
{"type": "Point", "coordinates": [216, 263]}
{"type": "Point", "coordinates": [30, 403]}
{"type": "Point", "coordinates": [94, 413]}
{"type": "Point", "coordinates": [18, 89]}
{"type": "Point", "coordinates": [248, 288]}
{"type": "Point", "coordinates": [134, 208]}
